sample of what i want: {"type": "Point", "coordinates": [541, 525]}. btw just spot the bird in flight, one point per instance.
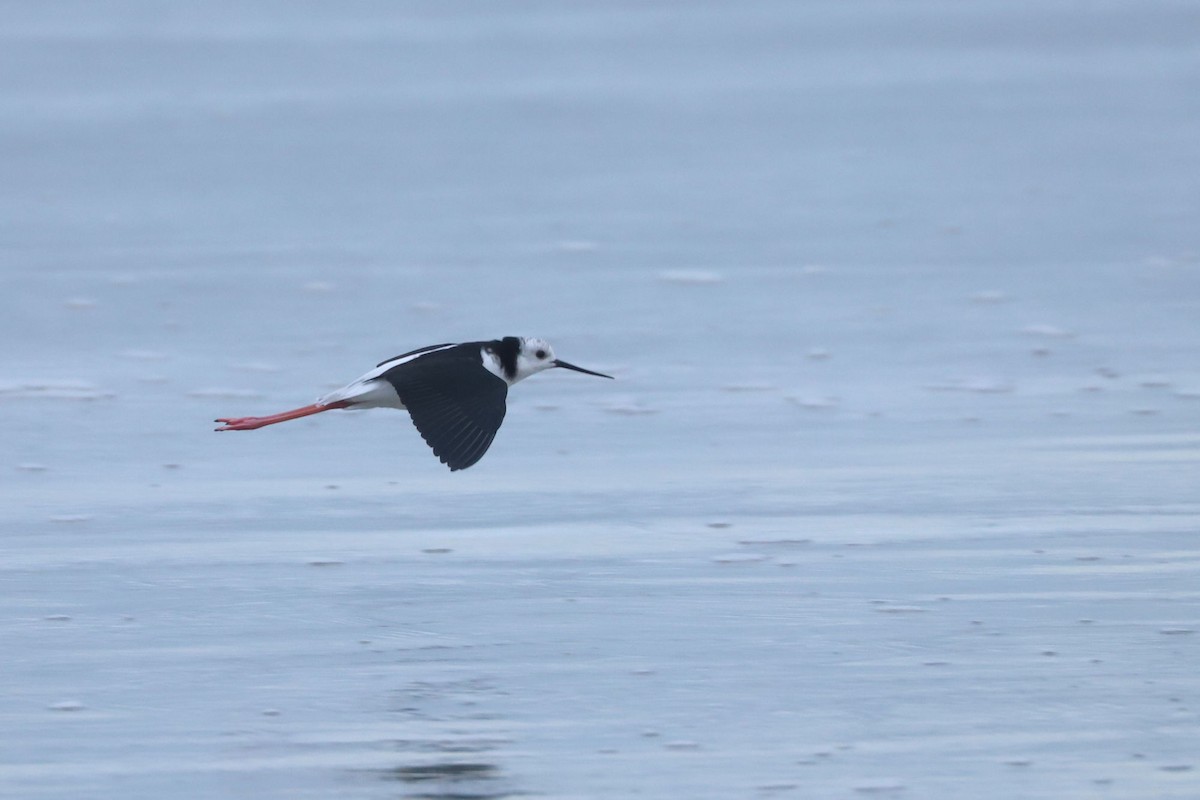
{"type": "Point", "coordinates": [454, 393]}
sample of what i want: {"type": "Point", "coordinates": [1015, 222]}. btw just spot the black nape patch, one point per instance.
{"type": "Point", "coordinates": [507, 350]}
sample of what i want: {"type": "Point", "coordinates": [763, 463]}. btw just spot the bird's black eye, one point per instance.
{"type": "Point", "coordinates": [540, 354]}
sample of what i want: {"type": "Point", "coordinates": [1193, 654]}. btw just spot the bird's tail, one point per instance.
{"type": "Point", "coordinates": [370, 393]}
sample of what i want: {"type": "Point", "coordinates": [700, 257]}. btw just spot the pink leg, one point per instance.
{"type": "Point", "coordinates": [250, 423]}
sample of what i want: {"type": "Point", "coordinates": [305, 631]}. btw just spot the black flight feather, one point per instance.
{"type": "Point", "coordinates": [455, 403]}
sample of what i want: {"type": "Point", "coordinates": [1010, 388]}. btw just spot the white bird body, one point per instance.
{"type": "Point", "coordinates": [367, 391]}
{"type": "Point", "coordinates": [455, 393]}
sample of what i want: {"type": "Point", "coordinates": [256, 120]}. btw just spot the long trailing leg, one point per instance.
{"type": "Point", "coordinates": [250, 423]}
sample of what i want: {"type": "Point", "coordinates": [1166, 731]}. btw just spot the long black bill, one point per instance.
{"type": "Point", "coordinates": [565, 365]}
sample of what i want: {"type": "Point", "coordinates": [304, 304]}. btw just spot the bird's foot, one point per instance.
{"type": "Point", "coordinates": [242, 423]}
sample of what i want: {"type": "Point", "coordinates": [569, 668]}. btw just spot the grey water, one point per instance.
{"type": "Point", "coordinates": [894, 494]}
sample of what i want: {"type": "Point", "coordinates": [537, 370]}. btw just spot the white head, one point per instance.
{"type": "Point", "coordinates": [533, 356]}
{"type": "Point", "coordinates": [518, 358]}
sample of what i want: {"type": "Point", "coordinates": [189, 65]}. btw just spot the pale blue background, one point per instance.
{"type": "Point", "coordinates": [895, 492]}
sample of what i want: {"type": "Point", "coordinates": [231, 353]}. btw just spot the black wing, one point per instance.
{"type": "Point", "coordinates": [456, 404]}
